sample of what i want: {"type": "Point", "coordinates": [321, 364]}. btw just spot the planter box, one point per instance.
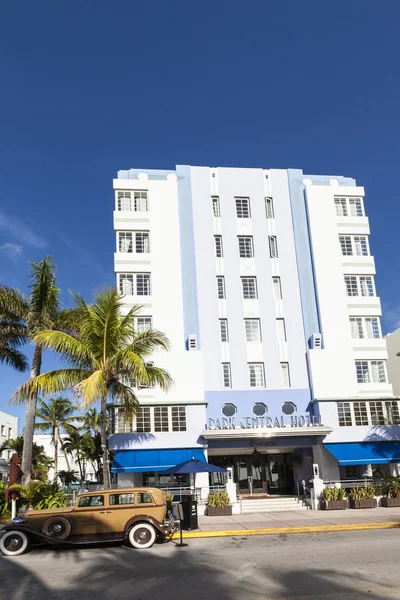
{"type": "Point", "coordinates": [219, 511]}
{"type": "Point", "coordinates": [364, 503]}
{"type": "Point", "coordinates": [334, 504]}
{"type": "Point", "coordinates": [390, 502]}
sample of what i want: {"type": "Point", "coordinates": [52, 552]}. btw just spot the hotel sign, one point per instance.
{"type": "Point", "coordinates": [264, 422]}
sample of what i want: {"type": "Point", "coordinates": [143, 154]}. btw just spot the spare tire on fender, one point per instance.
{"type": "Point", "coordinates": [58, 527]}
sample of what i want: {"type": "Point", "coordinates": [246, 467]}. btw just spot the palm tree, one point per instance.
{"type": "Point", "coordinates": [41, 463]}
{"type": "Point", "coordinates": [91, 421]}
{"type": "Point", "coordinates": [104, 352]}
{"type": "Point", "coordinates": [29, 316]}
{"type": "Point", "coordinates": [12, 335]}
{"type": "Point", "coordinates": [54, 416]}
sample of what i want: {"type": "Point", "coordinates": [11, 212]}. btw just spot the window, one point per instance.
{"type": "Point", "coordinates": [91, 501]}
{"type": "Point", "coordinates": [226, 375]}
{"type": "Point", "coordinates": [243, 208]}
{"type": "Point", "coordinates": [351, 472]}
{"type": "Point", "coordinates": [349, 207]}
{"type": "Point", "coordinates": [215, 205]}
{"type": "Point", "coordinates": [161, 418]}
{"type": "Point", "coordinates": [365, 327]}
{"type": "Point", "coordinates": [256, 375]}
{"type": "Point", "coordinates": [142, 242]}
{"type": "Point", "coordinates": [359, 285]}
{"type": "Point", "coordinates": [143, 324]}
{"type": "Point", "coordinates": [273, 246]}
{"type": "Point", "coordinates": [178, 418]}
{"type": "Point", "coordinates": [132, 201]}
{"type": "Point", "coordinates": [288, 408]}
{"type": "Point", "coordinates": [344, 414]}
{"type": "Point", "coordinates": [249, 288]}
{"type": "Point", "coordinates": [223, 328]}
{"type": "Point", "coordinates": [356, 245]}
{"type": "Point", "coordinates": [259, 409]}
{"type": "Point", "coordinates": [127, 240]}
{"type": "Point", "coordinates": [134, 283]}
{"type": "Point", "coordinates": [117, 499]}
{"type": "Point", "coordinates": [229, 410]}
{"type": "Point", "coordinates": [3, 430]}
{"type": "Point", "coordinates": [253, 330]}
{"type": "Point", "coordinates": [392, 412]}
{"type": "Point", "coordinates": [221, 287]}
{"type": "Point", "coordinates": [144, 498]}
{"type": "Point", "coordinates": [280, 323]}
{"type": "Point", "coordinates": [143, 419]}
{"type": "Point", "coordinates": [245, 246]}
{"type": "Point", "coordinates": [276, 284]}
{"type": "Point", "coordinates": [370, 371]}
{"type": "Point", "coordinates": [360, 413]}
{"type": "Point", "coordinates": [341, 207]}
{"type": "Point", "coordinates": [218, 246]}
{"type": "Point", "coordinates": [123, 425]}
{"type": "Point", "coordinates": [269, 208]}
{"type": "Point", "coordinates": [376, 410]}
{"type": "Point", "coordinates": [285, 374]}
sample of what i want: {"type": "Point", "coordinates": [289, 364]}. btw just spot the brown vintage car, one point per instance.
{"type": "Point", "coordinates": [137, 516]}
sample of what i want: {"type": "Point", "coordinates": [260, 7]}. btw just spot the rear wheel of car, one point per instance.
{"type": "Point", "coordinates": [142, 535]}
{"type": "Point", "coordinates": [14, 543]}
{"type": "Point", "coordinates": [58, 527]}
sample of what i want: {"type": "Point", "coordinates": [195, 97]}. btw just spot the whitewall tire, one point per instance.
{"type": "Point", "coordinates": [57, 527]}
{"type": "Point", "coordinates": [142, 535]}
{"type": "Point", "coordinates": [14, 543]}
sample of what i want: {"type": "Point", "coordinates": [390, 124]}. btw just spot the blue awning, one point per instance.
{"type": "Point", "coordinates": [140, 461]}
{"type": "Point", "coordinates": [365, 453]}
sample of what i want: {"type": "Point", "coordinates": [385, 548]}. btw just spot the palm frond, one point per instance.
{"type": "Point", "coordinates": [13, 332]}
{"type": "Point", "coordinates": [13, 358]}
{"type": "Point", "coordinates": [52, 382]}
{"type": "Point", "coordinates": [13, 304]}
{"type": "Point", "coordinates": [147, 342]}
{"type": "Point", "coordinates": [44, 295]}
{"type": "Point", "coordinates": [125, 397]}
{"type": "Point", "coordinates": [70, 348]}
{"type": "Point", "coordinates": [160, 377]}
{"type": "Point", "coordinates": [92, 388]}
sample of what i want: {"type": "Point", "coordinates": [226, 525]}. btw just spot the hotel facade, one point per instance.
{"type": "Point", "coordinates": [264, 282]}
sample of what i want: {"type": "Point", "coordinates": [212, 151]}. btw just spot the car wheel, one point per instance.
{"type": "Point", "coordinates": [57, 527]}
{"type": "Point", "coordinates": [14, 543]}
{"type": "Point", "coordinates": [142, 536]}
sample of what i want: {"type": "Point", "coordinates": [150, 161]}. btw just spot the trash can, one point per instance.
{"type": "Point", "coordinates": [189, 506]}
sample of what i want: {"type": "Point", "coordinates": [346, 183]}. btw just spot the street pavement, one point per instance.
{"type": "Point", "coordinates": [357, 565]}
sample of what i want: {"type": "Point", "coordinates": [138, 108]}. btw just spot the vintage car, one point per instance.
{"type": "Point", "coordinates": [138, 516]}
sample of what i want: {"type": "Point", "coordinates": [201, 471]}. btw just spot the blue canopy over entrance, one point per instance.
{"type": "Point", "coordinates": [141, 461]}
{"type": "Point", "coordinates": [365, 453]}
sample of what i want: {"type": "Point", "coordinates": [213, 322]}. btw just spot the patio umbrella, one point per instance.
{"type": "Point", "coordinates": [194, 466]}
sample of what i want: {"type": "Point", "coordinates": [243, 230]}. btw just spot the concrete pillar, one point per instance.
{"type": "Point", "coordinates": [394, 469]}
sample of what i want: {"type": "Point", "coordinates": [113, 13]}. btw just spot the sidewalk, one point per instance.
{"type": "Point", "coordinates": [302, 521]}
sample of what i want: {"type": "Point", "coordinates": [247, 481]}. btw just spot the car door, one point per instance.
{"type": "Point", "coordinates": [91, 516]}
{"type": "Point", "coordinates": [123, 507]}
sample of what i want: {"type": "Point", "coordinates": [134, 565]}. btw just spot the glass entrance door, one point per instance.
{"type": "Point", "coordinates": [264, 473]}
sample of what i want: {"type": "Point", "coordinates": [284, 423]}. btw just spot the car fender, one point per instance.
{"type": "Point", "coordinates": [144, 519]}
{"type": "Point", "coordinates": [34, 534]}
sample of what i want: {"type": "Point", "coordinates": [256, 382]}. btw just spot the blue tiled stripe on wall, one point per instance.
{"type": "Point", "coordinates": [188, 256]}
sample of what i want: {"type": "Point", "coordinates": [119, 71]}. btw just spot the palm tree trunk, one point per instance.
{"type": "Point", "coordinates": [65, 454]}
{"type": "Point", "coordinates": [103, 431]}
{"type": "Point", "coordinates": [30, 420]}
{"type": "Point", "coordinates": [56, 442]}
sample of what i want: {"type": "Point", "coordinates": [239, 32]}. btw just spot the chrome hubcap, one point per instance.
{"type": "Point", "coordinates": [142, 535]}
{"type": "Point", "coordinates": [14, 542]}
{"type": "Point", "coordinates": [57, 528]}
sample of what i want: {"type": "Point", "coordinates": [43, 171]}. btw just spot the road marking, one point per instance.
{"type": "Point", "coordinates": [288, 530]}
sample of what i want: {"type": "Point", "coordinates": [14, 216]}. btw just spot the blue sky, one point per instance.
{"type": "Point", "coordinates": [94, 86]}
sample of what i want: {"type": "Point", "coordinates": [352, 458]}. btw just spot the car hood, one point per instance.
{"type": "Point", "coordinates": [48, 511]}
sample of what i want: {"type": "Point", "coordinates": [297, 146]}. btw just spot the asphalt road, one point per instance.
{"type": "Point", "coordinates": [336, 566]}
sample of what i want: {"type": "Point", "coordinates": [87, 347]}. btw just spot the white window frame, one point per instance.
{"type": "Point", "coordinates": [281, 329]}
{"type": "Point", "coordinates": [256, 375]}
{"type": "Point", "coordinates": [273, 246]}
{"type": "Point", "coordinates": [223, 330]}
{"type": "Point", "coordinates": [358, 280]}
{"type": "Point", "coordinates": [277, 287]}
{"type": "Point", "coordinates": [216, 206]}
{"type": "Point", "coordinates": [371, 371]}
{"type": "Point", "coordinates": [252, 329]}
{"type": "Point", "coordinates": [133, 242]}
{"type": "Point", "coordinates": [354, 245]}
{"type": "Point", "coordinates": [269, 207]}
{"type": "Point", "coordinates": [245, 246]}
{"type": "Point", "coordinates": [367, 413]}
{"type": "Point", "coordinates": [246, 288]}
{"type": "Point", "coordinates": [243, 210]}
{"type": "Point", "coordinates": [221, 292]}
{"type": "Point", "coordinates": [285, 374]}
{"type": "Point", "coordinates": [136, 284]}
{"type": "Point", "coordinates": [132, 200]}
{"type": "Point", "coordinates": [226, 375]}
{"type": "Point", "coordinates": [143, 323]}
{"type": "Point", "coordinates": [363, 330]}
{"type": "Point", "coordinates": [349, 206]}
{"type": "Point", "coordinates": [219, 252]}
{"type": "Point", "coordinates": [157, 418]}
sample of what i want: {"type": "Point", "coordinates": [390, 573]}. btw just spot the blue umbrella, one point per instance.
{"type": "Point", "coordinates": [194, 466]}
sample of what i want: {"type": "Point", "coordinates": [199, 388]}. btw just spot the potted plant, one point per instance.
{"type": "Point", "coordinates": [333, 498]}
{"type": "Point", "coordinates": [391, 489]}
{"type": "Point", "coordinates": [363, 497]}
{"type": "Point", "coordinates": [218, 504]}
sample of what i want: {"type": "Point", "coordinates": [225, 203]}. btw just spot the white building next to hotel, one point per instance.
{"type": "Point", "coordinates": [263, 281]}
{"type": "Point", "coordinates": [8, 431]}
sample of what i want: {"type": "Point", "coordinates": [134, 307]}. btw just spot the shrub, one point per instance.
{"type": "Point", "coordinates": [41, 495]}
{"type": "Point", "coordinates": [391, 487]}
{"type": "Point", "coordinates": [218, 499]}
{"type": "Point", "coordinates": [333, 493]}
{"type": "Point", "coordinates": [363, 493]}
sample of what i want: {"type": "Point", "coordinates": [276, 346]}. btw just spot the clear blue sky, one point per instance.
{"type": "Point", "coordinates": [92, 86]}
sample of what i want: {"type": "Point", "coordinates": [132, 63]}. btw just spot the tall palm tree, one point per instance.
{"type": "Point", "coordinates": [104, 352]}
{"type": "Point", "coordinates": [37, 312]}
{"type": "Point", "coordinates": [54, 416]}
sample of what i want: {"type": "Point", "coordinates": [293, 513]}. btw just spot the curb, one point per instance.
{"type": "Point", "coordinates": [287, 530]}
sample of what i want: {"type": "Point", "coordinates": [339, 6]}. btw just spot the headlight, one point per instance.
{"type": "Point", "coordinates": [17, 520]}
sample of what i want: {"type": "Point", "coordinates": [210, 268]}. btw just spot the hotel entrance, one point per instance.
{"type": "Point", "coordinates": [258, 473]}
